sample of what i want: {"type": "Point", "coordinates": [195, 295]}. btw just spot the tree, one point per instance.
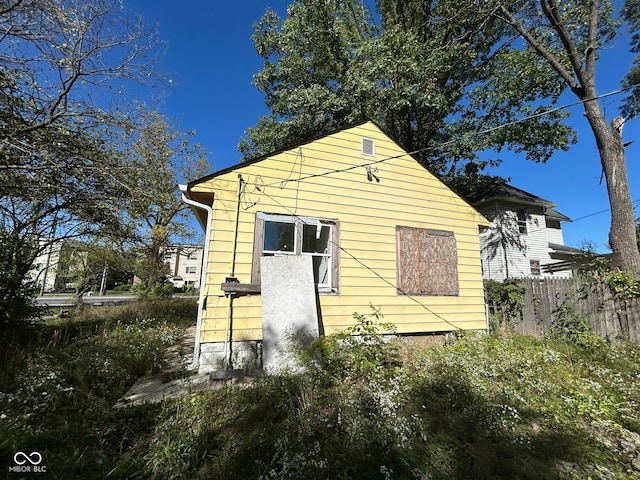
{"type": "Point", "coordinates": [83, 265]}
{"type": "Point", "coordinates": [61, 62]}
{"type": "Point", "coordinates": [444, 78]}
{"type": "Point", "coordinates": [567, 38]}
{"type": "Point", "coordinates": [331, 63]}
{"type": "Point", "coordinates": [159, 157]}
{"type": "Point", "coordinates": [16, 300]}
{"type": "Point", "coordinates": [33, 217]}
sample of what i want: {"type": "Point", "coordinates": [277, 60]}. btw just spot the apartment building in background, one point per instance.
{"type": "Point", "coordinates": [185, 264]}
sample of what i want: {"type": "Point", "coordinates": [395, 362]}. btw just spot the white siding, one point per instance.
{"type": "Point", "coordinates": [508, 253]}
{"type": "Point", "coordinates": [555, 235]}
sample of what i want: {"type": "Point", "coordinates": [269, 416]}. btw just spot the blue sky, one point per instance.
{"type": "Point", "coordinates": [211, 61]}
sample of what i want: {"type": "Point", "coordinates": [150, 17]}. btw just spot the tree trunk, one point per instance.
{"type": "Point", "coordinates": [79, 302]}
{"type": "Point", "coordinates": [622, 235]}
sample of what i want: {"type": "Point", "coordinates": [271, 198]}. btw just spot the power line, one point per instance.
{"type": "Point", "coordinates": [454, 326]}
{"type": "Point", "coordinates": [451, 324]}
{"type": "Point", "coordinates": [598, 213]}
{"type": "Point", "coordinates": [282, 183]}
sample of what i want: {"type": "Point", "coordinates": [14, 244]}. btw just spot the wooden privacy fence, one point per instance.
{"type": "Point", "coordinates": [607, 316]}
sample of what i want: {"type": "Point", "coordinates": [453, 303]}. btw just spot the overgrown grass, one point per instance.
{"type": "Point", "coordinates": [481, 407]}
{"type": "Point", "coordinates": [59, 382]}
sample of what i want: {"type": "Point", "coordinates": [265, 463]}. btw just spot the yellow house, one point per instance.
{"type": "Point", "coordinates": [379, 228]}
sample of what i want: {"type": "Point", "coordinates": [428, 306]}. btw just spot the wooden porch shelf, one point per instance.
{"type": "Point", "coordinates": [240, 288]}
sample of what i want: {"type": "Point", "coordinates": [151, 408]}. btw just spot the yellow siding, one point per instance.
{"type": "Point", "coordinates": [308, 181]}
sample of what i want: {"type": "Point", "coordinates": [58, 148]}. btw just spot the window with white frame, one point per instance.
{"type": "Point", "coordinates": [295, 235]}
{"type": "Point", "coordinates": [522, 221]}
{"type": "Point", "coordinates": [190, 269]}
{"type": "Point", "coordinates": [535, 267]}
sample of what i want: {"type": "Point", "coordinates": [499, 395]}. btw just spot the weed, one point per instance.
{"type": "Point", "coordinates": [59, 385]}
{"type": "Point", "coordinates": [573, 327]}
{"type": "Point", "coordinates": [368, 348]}
{"type": "Point", "coordinates": [507, 298]}
{"type": "Point", "coordinates": [481, 406]}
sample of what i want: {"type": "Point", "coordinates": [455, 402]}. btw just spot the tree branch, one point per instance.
{"type": "Point", "coordinates": [551, 11]}
{"type": "Point", "coordinates": [591, 57]}
{"type": "Point", "coordinates": [542, 51]}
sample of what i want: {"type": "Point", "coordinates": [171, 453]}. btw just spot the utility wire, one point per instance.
{"type": "Point", "coordinates": [460, 139]}
{"type": "Point", "coordinates": [451, 324]}
{"type": "Point", "coordinates": [455, 327]}
{"type": "Point", "coordinates": [598, 213]}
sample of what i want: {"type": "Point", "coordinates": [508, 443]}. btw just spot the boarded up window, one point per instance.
{"type": "Point", "coordinates": [427, 262]}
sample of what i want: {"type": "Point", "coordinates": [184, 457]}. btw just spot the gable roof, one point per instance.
{"type": "Point", "coordinates": [509, 193]}
{"type": "Point", "coordinates": [193, 190]}
{"type": "Point", "coordinates": [276, 152]}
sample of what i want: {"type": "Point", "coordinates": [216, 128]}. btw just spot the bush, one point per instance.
{"type": "Point", "coordinates": [164, 290]}
{"type": "Point", "coordinates": [508, 299]}
{"type": "Point", "coordinates": [367, 348]}
{"type": "Point", "coordinates": [122, 288]}
{"type": "Point", "coordinates": [58, 386]}
{"type": "Point", "coordinates": [480, 407]}
{"type": "Point", "coordinates": [571, 326]}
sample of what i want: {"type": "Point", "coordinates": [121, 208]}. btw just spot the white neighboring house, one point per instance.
{"type": "Point", "coordinates": [525, 234]}
{"type": "Point", "coordinates": [185, 263]}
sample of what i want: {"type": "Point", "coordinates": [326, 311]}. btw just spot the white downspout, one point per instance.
{"type": "Point", "coordinates": [203, 273]}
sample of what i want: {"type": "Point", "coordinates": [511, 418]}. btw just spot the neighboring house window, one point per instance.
{"type": "Point", "coordinates": [368, 146]}
{"type": "Point", "coordinates": [168, 255]}
{"type": "Point", "coordinates": [522, 221]}
{"type": "Point", "coordinates": [293, 235]}
{"type": "Point", "coordinates": [535, 267]}
{"type": "Point", "coordinates": [427, 262]}
{"type": "Point", "coordinates": [191, 269]}
{"type": "Point", "coordinates": [553, 223]}
{"type": "Point", "coordinates": [192, 256]}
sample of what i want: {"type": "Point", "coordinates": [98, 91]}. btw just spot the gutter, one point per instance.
{"type": "Point", "coordinates": [203, 273]}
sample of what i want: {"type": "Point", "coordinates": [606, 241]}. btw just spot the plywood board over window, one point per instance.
{"type": "Point", "coordinates": [427, 262]}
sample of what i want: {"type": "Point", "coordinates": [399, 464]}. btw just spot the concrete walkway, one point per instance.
{"type": "Point", "coordinates": [173, 380]}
